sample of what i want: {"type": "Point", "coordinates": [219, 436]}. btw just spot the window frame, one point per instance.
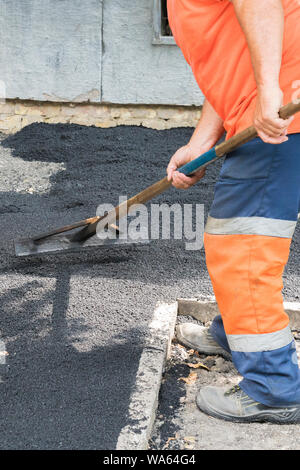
{"type": "Point", "coordinates": [158, 38]}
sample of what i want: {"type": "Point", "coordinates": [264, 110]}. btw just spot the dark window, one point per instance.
{"type": "Point", "coordinates": [161, 28]}
{"type": "Point", "coordinates": [165, 27]}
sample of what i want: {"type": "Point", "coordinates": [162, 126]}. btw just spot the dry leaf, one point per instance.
{"type": "Point", "coordinates": [196, 366]}
{"type": "Point", "coordinates": [189, 446]}
{"type": "Point", "coordinates": [189, 438]}
{"type": "Point", "coordinates": [190, 379]}
{"type": "Point", "coordinates": [169, 440]}
{"type": "Point", "coordinates": [190, 352]}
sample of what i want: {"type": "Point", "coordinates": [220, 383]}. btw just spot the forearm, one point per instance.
{"type": "Point", "coordinates": [209, 129]}
{"type": "Point", "coordinates": [263, 23]}
{"type": "Point", "coordinates": [207, 133]}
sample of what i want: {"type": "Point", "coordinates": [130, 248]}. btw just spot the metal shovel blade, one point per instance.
{"type": "Point", "coordinates": [64, 243]}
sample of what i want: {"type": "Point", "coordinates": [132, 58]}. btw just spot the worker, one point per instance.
{"type": "Point", "coordinates": [245, 56]}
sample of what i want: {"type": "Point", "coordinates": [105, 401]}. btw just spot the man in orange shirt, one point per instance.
{"type": "Point", "coordinates": [245, 55]}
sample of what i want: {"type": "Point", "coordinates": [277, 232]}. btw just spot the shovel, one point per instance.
{"type": "Point", "coordinates": [58, 240]}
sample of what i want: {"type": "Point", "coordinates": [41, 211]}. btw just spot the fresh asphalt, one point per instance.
{"type": "Point", "coordinates": [73, 325]}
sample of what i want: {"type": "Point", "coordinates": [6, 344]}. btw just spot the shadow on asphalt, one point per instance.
{"type": "Point", "coordinates": [54, 394]}
{"type": "Point", "coordinates": [63, 385]}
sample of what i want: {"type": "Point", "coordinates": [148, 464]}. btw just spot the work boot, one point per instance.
{"type": "Point", "coordinates": [234, 405]}
{"type": "Point", "coordinates": [199, 338]}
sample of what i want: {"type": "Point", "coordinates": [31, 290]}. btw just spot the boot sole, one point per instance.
{"type": "Point", "coordinates": [208, 352]}
{"type": "Point", "coordinates": [287, 416]}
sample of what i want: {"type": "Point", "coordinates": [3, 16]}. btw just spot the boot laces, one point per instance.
{"type": "Point", "coordinates": [234, 389]}
{"type": "Point", "coordinates": [242, 396]}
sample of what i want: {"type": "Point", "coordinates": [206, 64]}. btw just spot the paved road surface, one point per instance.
{"type": "Point", "coordinates": [73, 325]}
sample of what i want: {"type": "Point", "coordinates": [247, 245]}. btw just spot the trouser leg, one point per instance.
{"type": "Point", "coordinates": [218, 332]}
{"type": "Point", "coordinates": [247, 243]}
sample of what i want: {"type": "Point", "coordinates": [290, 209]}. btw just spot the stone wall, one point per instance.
{"type": "Point", "coordinates": [97, 51]}
{"type": "Point", "coordinates": [91, 63]}
{"type": "Point", "coordinates": [16, 114]}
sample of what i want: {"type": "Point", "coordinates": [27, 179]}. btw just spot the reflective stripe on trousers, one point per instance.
{"type": "Point", "coordinates": [247, 241]}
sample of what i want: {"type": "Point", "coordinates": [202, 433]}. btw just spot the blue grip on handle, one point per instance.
{"type": "Point", "coordinates": [194, 165]}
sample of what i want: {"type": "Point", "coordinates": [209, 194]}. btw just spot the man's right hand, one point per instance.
{"type": "Point", "coordinates": [181, 157]}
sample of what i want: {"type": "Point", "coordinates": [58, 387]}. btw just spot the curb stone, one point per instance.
{"type": "Point", "coordinates": [205, 309]}
{"type": "Point", "coordinates": [144, 399]}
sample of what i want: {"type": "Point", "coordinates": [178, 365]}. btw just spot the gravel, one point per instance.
{"type": "Point", "coordinates": [74, 325]}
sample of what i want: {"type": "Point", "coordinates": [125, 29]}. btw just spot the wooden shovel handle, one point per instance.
{"type": "Point", "coordinates": [163, 184]}
{"type": "Point", "coordinates": [250, 133]}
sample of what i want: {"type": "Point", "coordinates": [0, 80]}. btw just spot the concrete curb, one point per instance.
{"type": "Point", "coordinates": [206, 308]}
{"type": "Point", "coordinates": [144, 399]}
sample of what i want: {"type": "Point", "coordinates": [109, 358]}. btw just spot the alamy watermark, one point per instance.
{"type": "Point", "coordinates": [153, 222]}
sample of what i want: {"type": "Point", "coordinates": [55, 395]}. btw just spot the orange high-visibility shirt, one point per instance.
{"type": "Point", "coordinates": [213, 43]}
